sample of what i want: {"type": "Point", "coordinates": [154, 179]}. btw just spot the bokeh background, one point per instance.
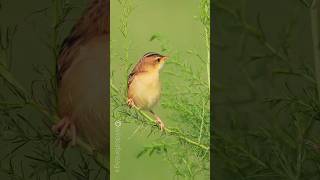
{"type": "Point", "coordinates": [171, 28]}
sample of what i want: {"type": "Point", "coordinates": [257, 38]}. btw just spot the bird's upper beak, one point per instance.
{"type": "Point", "coordinates": [164, 58]}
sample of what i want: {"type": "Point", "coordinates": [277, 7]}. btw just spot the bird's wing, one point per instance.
{"type": "Point", "coordinates": [94, 22]}
{"type": "Point", "coordinates": [136, 70]}
{"type": "Point", "coordinates": [65, 57]}
{"type": "Point", "coordinates": [130, 78]}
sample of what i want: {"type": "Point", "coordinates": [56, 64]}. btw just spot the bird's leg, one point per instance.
{"type": "Point", "coordinates": [73, 134]}
{"type": "Point", "coordinates": [161, 124]}
{"type": "Point", "coordinates": [158, 121]}
{"type": "Point", "coordinates": [61, 128]}
{"type": "Point", "coordinates": [130, 102]}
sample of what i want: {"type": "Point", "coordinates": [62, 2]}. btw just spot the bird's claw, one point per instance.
{"type": "Point", "coordinates": [61, 129]}
{"type": "Point", "coordinates": [130, 102]}
{"type": "Point", "coordinates": [160, 123]}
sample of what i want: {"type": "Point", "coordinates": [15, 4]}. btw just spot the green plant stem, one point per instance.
{"type": "Point", "coordinates": [55, 33]}
{"type": "Point", "coordinates": [54, 118]}
{"type": "Point", "coordinates": [207, 32]}
{"type": "Point", "coordinates": [257, 33]}
{"type": "Point", "coordinates": [314, 15]}
{"type": "Point", "coordinates": [55, 29]}
{"type": "Point", "coordinates": [167, 130]}
{"type": "Point", "coordinates": [202, 123]}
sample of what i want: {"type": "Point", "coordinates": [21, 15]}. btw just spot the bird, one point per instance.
{"type": "Point", "coordinates": [82, 83]}
{"type": "Point", "coordinates": [144, 87]}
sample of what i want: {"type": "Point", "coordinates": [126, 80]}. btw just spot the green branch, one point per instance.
{"type": "Point", "coordinates": [18, 89]}
{"type": "Point", "coordinates": [167, 130]}
{"type": "Point", "coordinates": [314, 15]}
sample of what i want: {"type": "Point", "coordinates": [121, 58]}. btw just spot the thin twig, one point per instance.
{"type": "Point", "coordinates": [202, 122]}
{"type": "Point", "coordinates": [167, 130]}
{"type": "Point", "coordinates": [54, 118]}
{"type": "Point", "coordinates": [314, 15]}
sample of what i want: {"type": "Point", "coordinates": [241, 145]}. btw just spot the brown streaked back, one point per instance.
{"type": "Point", "coordinates": [94, 22]}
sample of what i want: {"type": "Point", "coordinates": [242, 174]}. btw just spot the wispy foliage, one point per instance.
{"type": "Point", "coordinates": [28, 113]}
{"type": "Point", "coordinates": [285, 144]}
{"type": "Point", "coordinates": [185, 146]}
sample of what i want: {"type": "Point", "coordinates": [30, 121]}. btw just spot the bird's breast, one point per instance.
{"type": "Point", "coordinates": [146, 90]}
{"type": "Point", "coordinates": [83, 92]}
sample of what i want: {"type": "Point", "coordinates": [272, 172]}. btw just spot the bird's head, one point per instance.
{"type": "Point", "coordinates": [153, 61]}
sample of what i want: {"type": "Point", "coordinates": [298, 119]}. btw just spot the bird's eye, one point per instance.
{"type": "Point", "coordinates": [158, 59]}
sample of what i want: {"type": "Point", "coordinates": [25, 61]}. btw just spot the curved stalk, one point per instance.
{"type": "Point", "coordinates": [169, 131]}
{"type": "Point", "coordinates": [314, 15]}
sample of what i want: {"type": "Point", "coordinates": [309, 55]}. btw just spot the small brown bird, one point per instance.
{"type": "Point", "coordinates": [144, 87]}
{"type": "Point", "coordinates": [82, 79]}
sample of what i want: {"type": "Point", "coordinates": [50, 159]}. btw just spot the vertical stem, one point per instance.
{"type": "Point", "coordinates": [314, 15]}
{"type": "Point", "coordinates": [206, 23]}
{"type": "Point", "coordinates": [55, 21]}
{"type": "Point", "coordinates": [202, 122]}
{"type": "Point", "coordinates": [55, 24]}
{"type": "Point", "coordinates": [207, 31]}
{"type": "Point", "coordinates": [205, 20]}
{"type": "Point", "coordinates": [299, 156]}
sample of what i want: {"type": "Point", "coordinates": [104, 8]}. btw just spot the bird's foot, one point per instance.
{"type": "Point", "coordinates": [62, 128]}
{"type": "Point", "coordinates": [130, 102]}
{"type": "Point", "coordinates": [160, 123]}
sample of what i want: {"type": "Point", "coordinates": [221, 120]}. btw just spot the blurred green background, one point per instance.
{"type": "Point", "coordinates": [177, 24]}
{"type": "Point", "coordinates": [263, 68]}
{"type": "Point", "coordinates": [252, 140]}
